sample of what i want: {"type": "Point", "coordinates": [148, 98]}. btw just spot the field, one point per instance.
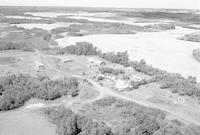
{"type": "Point", "coordinates": [109, 93]}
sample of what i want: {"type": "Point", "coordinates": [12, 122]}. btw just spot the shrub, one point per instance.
{"type": "Point", "coordinates": [108, 70]}
{"type": "Point", "coordinates": [135, 85]}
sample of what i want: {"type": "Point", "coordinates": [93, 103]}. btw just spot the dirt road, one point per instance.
{"type": "Point", "coordinates": [104, 91]}
{"type": "Point", "coordinates": [176, 114]}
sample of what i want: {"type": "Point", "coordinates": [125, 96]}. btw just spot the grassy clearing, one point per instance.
{"type": "Point", "coordinates": [25, 123]}
{"type": "Point", "coordinates": [7, 60]}
{"type": "Point", "coordinates": [26, 40]}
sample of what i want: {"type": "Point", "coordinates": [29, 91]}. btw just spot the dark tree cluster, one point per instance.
{"type": "Point", "coordinates": [144, 68]}
{"type": "Point", "coordinates": [119, 57]}
{"type": "Point", "coordinates": [137, 84]}
{"type": "Point", "coordinates": [108, 70]}
{"type": "Point", "coordinates": [19, 21]}
{"type": "Point", "coordinates": [140, 120]}
{"type": "Point", "coordinates": [194, 37]}
{"type": "Point", "coordinates": [178, 84]}
{"type": "Point", "coordinates": [81, 48]}
{"type": "Point", "coordinates": [15, 90]}
{"type": "Point", "coordinates": [69, 123]}
{"type": "Point", "coordinates": [161, 26]}
{"type": "Point", "coordinates": [64, 29]}
{"type": "Point", "coordinates": [89, 28]}
{"type": "Point", "coordinates": [196, 54]}
{"type": "Point", "coordinates": [21, 45]}
{"type": "Point", "coordinates": [36, 32]}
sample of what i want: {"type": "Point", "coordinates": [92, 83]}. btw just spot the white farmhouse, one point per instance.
{"type": "Point", "coordinates": [180, 100]}
{"type": "Point", "coordinates": [130, 69]}
{"type": "Point", "coordinates": [67, 60]}
{"type": "Point", "coordinates": [136, 78]}
{"type": "Point", "coordinates": [121, 84]}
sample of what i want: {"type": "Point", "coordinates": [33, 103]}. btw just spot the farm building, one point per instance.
{"type": "Point", "coordinates": [111, 77]}
{"type": "Point", "coordinates": [68, 60]}
{"type": "Point", "coordinates": [39, 65]}
{"type": "Point", "coordinates": [95, 62]}
{"type": "Point", "coordinates": [136, 78]}
{"type": "Point", "coordinates": [180, 100]}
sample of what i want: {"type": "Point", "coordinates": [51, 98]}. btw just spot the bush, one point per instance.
{"type": "Point", "coordinates": [108, 70]}
{"type": "Point", "coordinates": [81, 48]}
{"type": "Point", "coordinates": [135, 85]}
{"type": "Point", "coordinates": [144, 68]}
{"type": "Point", "coordinates": [119, 57]}
{"type": "Point", "coordinates": [69, 123]}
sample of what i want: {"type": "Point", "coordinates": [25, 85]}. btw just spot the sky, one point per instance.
{"type": "Point", "coordinates": [174, 4]}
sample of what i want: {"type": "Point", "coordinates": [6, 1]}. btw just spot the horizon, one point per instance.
{"type": "Point", "coordinates": [101, 7]}
{"type": "Point", "coordinates": [130, 4]}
